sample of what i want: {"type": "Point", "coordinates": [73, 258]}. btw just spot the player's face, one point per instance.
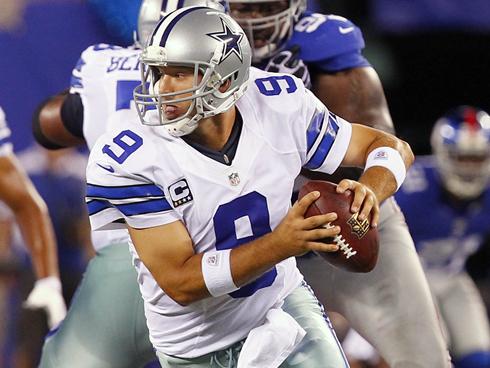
{"type": "Point", "coordinates": [243, 12]}
{"type": "Point", "coordinates": [172, 80]}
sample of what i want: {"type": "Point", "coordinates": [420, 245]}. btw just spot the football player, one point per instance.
{"type": "Point", "coordinates": [108, 300]}
{"type": "Point", "coordinates": [203, 186]}
{"type": "Point", "coordinates": [454, 184]}
{"type": "Point", "coordinates": [391, 306]}
{"type": "Point", "coordinates": [31, 214]}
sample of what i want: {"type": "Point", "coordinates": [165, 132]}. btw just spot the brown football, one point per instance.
{"type": "Point", "coordinates": [357, 241]}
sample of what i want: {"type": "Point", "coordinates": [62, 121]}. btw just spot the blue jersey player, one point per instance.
{"type": "Point", "coordinates": [446, 202]}
{"type": "Point", "coordinates": [325, 50]}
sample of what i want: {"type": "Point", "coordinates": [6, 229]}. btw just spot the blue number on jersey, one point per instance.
{"type": "Point", "coordinates": [124, 93]}
{"type": "Point", "coordinates": [253, 207]}
{"type": "Point", "coordinates": [270, 86]}
{"type": "Point", "coordinates": [126, 147]}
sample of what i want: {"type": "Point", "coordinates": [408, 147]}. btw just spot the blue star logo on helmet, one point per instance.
{"type": "Point", "coordinates": [231, 41]}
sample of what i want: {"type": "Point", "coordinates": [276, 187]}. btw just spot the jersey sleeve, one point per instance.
{"type": "Point", "coordinates": [124, 193]}
{"type": "Point", "coordinates": [327, 136]}
{"type": "Point", "coordinates": [5, 143]}
{"type": "Point", "coordinates": [330, 43]}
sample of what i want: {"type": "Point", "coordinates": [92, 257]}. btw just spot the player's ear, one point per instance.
{"type": "Point", "coordinates": [225, 85]}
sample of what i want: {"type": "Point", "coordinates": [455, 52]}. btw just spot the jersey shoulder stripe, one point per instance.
{"type": "Point", "coordinates": [125, 192]}
{"type": "Point", "coordinates": [129, 209]}
{"type": "Point", "coordinates": [316, 157]}
{"type": "Point", "coordinates": [314, 129]}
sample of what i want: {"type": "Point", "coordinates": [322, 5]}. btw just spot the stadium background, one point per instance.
{"type": "Point", "coordinates": [430, 54]}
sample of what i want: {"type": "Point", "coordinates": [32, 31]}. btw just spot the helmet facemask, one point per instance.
{"type": "Point", "coordinates": [268, 33]}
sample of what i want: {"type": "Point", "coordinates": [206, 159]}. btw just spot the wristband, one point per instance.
{"type": "Point", "coordinates": [390, 159]}
{"type": "Point", "coordinates": [217, 272]}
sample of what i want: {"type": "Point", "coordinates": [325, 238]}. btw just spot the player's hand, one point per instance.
{"type": "Point", "coordinates": [46, 295]}
{"type": "Point", "coordinates": [365, 201]}
{"type": "Point", "coordinates": [287, 61]}
{"type": "Point", "coordinates": [297, 235]}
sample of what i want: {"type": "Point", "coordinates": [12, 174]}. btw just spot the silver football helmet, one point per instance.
{"type": "Point", "coordinates": [460, 141]}
{"type": "Point", "coordinates": [151, 11]}
{"type": "Point", "coordinates": [211, 43]}
{"type": "Point", "coordinates": [269, 23]}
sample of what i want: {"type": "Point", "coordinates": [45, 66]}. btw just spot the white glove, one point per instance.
{"type": "Point", "coordinates": [287, 61]}
{"type": "Point", "coordinates": [46, 294]}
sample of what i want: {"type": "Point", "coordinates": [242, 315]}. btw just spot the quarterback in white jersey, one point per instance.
{"type": "Point", "coordinates": [206, 197]}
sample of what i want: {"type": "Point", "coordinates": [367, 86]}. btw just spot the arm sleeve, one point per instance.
{"type": "Point", "coordinates": [327, 136]}
{"type": "Point", "coordinates": [72, 114]}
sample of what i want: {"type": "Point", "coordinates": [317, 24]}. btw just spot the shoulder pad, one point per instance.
{"type": "Point", "coordinates": [101, 49]}
{"type": "Point", "coordinates": [323, 36]}
{"type": "Point", "coordinates": [95, 59]}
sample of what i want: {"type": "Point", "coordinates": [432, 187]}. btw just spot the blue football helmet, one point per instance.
{"type": "Point", "coordinates": [460, 141]}
{"type": "Point", "coordinates": [268, 23]}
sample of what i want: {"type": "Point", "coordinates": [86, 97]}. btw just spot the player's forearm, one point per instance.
{"type": "Point", "coordinates": [49, 128]}
{"type": "Point", "coordinates": [247, 262]}
{"type": "Point", "coordinates": [253, 259]}
{"type": "Point", "coordinates": [30, 211]}
{"type": "Point", "coordinates": [38, 234]}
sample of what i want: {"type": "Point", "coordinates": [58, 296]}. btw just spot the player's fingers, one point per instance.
{"type": "Point", "coordinates": [322, 247]}
{"type": "Point", "coordinates": [328, 231]}
{"type": "Point", "coordinates": [367, 206]}
{"type": "Point", "coordinates": [320, 220]}
{"type": "Point", "coordinates": [375, 215]}
{"type": "Point", "coordinates": [359, 197]}
{"type": "Point", "coordinates": [344, 185]}
{"type": "Point", "coordinates": [300, 207]}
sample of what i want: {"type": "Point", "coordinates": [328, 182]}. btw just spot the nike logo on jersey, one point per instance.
{"type": "Point", "coordinates": [108, 167]}
{"type": "Point", "coordinates": [345, 30]}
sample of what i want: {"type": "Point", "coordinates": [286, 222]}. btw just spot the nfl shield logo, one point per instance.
{"type": "Point", "coordinates": [234, 179]}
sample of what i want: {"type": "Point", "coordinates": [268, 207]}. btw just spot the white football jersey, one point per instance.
{"type": "Point", "coordinates": [5, 144]}
{"type": "Point", "coordinates": [105, 77]}
{"type": "Point", "coordinates": [145, 177]}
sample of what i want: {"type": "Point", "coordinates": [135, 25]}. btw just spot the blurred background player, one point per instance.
{"type": "Point", "coordinates": [31, 215]}
{"type": "Point", "coordinates": [391, 306]}
{"type": "Point", "coordinates": [446, 202]}
{"type": "Point", "coordinates": [100, 97]}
